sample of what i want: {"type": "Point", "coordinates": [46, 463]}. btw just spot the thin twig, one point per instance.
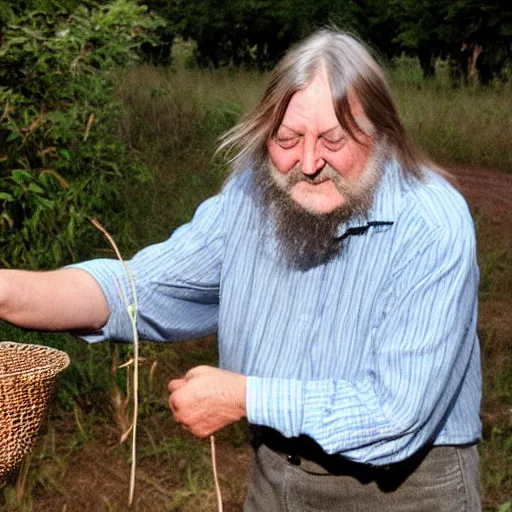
{"type": "Point", "coordinates": [90, 122]}
{"type": "Point", "coordinates": [215, 476]}
{"type": "Point", "coordinates": [132, 313]}
{"type": "Point", "coordinates": [77, 419]}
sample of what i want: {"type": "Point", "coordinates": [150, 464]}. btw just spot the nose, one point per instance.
{"type": "Point", "coordinates": [312, 161]}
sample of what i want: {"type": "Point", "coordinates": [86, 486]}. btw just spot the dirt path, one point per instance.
{"type": "Point", "coordinates": [489, 194]}
{"type": "Point", "coordinates": [487, 191]}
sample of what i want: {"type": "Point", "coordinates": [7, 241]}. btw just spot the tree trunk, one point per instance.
{"type": "Point", "coordinates": [427, 63]}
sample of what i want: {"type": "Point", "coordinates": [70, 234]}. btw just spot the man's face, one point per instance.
{"type": "Point", "coordinates": [312, 159]}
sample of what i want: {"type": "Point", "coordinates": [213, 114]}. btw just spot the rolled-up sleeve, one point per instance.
{"type": "Point", "coordinates": [177, 282]}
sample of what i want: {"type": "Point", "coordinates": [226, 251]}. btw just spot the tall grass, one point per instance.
{"type": "Point", "coordinates": [173, 120]}
{"type": "Point", "coordinates": [469, 125]}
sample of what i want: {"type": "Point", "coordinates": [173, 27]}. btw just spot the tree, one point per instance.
{"type": "Point", "coordinates": [474, 34]}
{"type": "Point", "coordinates": [479, 37]}
{"type": "Point", "coordinates": [256, 32]}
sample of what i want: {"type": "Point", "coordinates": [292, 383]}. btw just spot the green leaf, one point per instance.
{"type": "Point", "coordinates": [33, 33]}
{"type": "Point", "coordinates": [35, 188]}
{"type": "Point", "coordinates": [17, 40]}
{"type": "Point", "coordinates": [64, 153]}
{"type": "Point", "coordinates": [7, 219]}
{"type": "Point", "coordinates": [13, 136]}
{"type": "Point", "coordinates": [48, 203]}
{"type": "Point", "coordinates": [21, 177]}
{"type": "Point", "coordinates": [4, 196]}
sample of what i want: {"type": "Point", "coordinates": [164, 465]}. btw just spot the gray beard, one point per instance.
{"type": "Point", "coordinates": [306, 239]}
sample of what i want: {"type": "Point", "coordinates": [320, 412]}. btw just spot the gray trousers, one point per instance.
{"type": "Point", "coordinates": [446, 479]}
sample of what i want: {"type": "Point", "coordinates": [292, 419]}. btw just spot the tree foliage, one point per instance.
{"type": "Point", "coordinates": [474, 34]}
{"type": "Point", "coordinates": [61, 158]}
{"type": "Point", "coordinates": [470, 32]}
{"type": "Point", "coordinates": [257, 32]}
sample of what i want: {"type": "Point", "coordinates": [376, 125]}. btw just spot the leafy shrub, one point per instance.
{"type": "Point", "coordinates": [61, 157]}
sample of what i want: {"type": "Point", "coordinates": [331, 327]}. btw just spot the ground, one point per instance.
{"type": "Point", "coordinates": [81, 467]}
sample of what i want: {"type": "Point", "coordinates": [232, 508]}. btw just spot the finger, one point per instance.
{"type": "Point", "coordinates": [172, 407]}
{"type": "Point", "coordinates": [196, 430]}
{"type": "Point", "coordinates": [197, 370]}
{"type": "Point", "coordinates": [175, 384]}
{"type": "Point", "coordinates": [176, 409]}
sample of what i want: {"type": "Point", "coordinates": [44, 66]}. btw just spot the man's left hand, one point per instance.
{"type": "Point", "coordinates": [207, 399]}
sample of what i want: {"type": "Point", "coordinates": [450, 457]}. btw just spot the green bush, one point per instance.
{"type": "Point", "coordinates": [61, 156]}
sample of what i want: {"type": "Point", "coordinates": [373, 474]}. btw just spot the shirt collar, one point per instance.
{"type": "Point", "coordinates": [385, 206]}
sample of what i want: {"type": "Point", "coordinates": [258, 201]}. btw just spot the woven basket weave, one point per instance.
{"type": "Point", "coordinates": [27, 376]}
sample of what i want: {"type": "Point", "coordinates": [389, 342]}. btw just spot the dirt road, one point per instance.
{"type": "Point", "coordinates": [487, 191]}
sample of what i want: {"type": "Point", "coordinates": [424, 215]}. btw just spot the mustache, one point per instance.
{"type": "Point", "coordinates": [327, 172]}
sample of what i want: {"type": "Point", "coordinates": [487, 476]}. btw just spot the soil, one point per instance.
{"type": "Point", "coordinates": [488, 193]}
{"type": "Point", "coordinates": [95, 478]}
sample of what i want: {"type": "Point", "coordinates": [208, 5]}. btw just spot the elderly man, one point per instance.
{"type": "Point", "coordinates": [338, 267]}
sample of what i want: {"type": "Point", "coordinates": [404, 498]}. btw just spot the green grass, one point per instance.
{"type": "Point", "coordinates": [495, 259]}
{"type": "Point", "coordinates": [496, 446]}
{"type": "Point", "coordinates": [455, 125]}
{"type": "Point", "coordinates": [460, 126]}
{"type": "Point", "coordinates": [173, 120]}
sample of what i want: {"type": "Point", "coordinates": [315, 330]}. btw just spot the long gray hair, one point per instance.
{"type": "Point", "coordinates": [350, 69]}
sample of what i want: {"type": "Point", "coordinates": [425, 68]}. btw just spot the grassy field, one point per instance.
{"type": "Point", "coordinates": [172, 118]}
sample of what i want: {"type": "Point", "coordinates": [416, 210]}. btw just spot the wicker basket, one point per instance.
{"type": "Point", "coordinates": [27, 375]}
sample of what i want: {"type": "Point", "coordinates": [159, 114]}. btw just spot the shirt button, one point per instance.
{"type": "Point", "coordinates": [293, 459]}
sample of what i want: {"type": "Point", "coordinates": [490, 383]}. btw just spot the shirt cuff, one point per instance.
{"type": "Point", "coordinates": [111, 277]}
{"type": "Point", "coordinates": [342, 416]}
{"type": "Point", "coordinates": [276, 403]}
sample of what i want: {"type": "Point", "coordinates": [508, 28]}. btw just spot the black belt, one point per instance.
{"type": "Point", "coordinates": [300, 450]}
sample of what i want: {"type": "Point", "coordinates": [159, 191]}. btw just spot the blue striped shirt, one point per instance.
{"type": "Point", "coordinates": [373, 354]}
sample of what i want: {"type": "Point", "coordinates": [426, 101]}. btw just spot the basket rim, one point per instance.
{"type": "Point", "coordinates": [64, 362]}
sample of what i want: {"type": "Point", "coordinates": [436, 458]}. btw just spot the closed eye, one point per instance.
{"type": "Point", "coordinates": [334, 144]}
{"type": "Point", "coordinates": [287, 142]}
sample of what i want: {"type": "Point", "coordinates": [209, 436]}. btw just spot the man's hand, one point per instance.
{"type": "Point", "coordinates": [207, 399]}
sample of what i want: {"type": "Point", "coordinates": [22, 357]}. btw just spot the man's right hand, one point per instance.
{"type": "Point", "coordinates": [59, 300]}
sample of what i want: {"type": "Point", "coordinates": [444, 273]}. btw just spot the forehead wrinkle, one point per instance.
{"type": "Point", "coordinates": [283, 125]}
{"type": "Point", "coordinates": [328, 132]}
{"type": "Point", "coordinates": [322, 134]}
{"type": "Point", "coordinates": [312, 108]}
